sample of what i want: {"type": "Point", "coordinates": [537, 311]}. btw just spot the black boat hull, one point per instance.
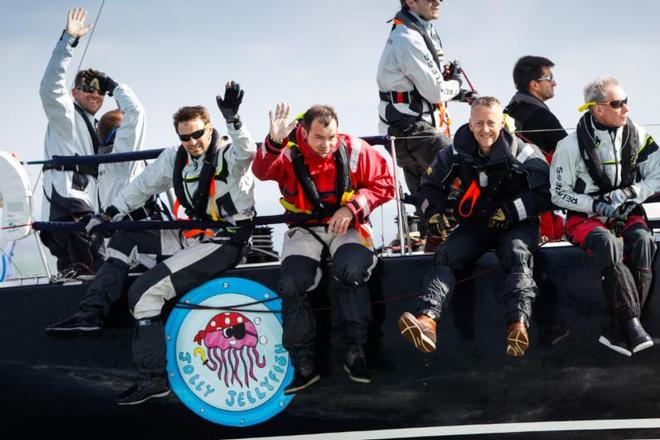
{"type": "Point", "coordinates": [63, 388]}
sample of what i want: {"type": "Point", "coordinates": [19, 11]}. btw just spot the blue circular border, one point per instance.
{"type": "Point", "coordinates": [268, 409]}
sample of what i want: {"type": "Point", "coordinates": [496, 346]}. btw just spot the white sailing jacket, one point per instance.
{"type": "Point", "coordinates": [67, 133]}
{"type": "Point", "coordinates": [568, 168]}
{"type": "Point", "coordinates": [407, 64]}
{"type": "Point", "coordinates": [113, 177]}
{"type": "Point", "coordinates": [157, 177]}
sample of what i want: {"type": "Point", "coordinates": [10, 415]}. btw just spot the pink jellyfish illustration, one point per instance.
{"type": "Point", "coordinates": [231, 342]}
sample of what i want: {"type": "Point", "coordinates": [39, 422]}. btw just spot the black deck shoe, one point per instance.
{"type": "Point", "coordinates": [301, 381]}
{"type": "Point", "coordinates": [80, 323]}
{"type": "Point", "coordinates": [357, 370]}
{"type": "Point", "coordinates": [613, 337]}
{"type": "Point", "coordinates": [638, 339]}
{"type": "Point", "coordinates": [143, 390]}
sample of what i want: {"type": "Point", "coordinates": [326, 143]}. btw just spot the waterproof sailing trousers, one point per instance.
{"type": "Point", "coordinates": [352, 264]}
{"type": "Point", "coordinates": [175, 276]}
{"type": "Point", "coordinates": [626, 264]}
{"type": "Point", "coordinates": [462, 249]}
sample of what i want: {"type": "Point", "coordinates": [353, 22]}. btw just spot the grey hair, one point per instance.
{"type": "Point", "coordinates": [595, 90]}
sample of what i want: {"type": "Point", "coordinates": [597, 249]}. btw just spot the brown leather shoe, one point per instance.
{"type": "Point", "coordinates": [517, 340]}
{"type": "Point", "coordinates": [419, 331]}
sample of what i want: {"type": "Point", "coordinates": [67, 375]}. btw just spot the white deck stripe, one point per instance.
{"type": "Point", "coordinates": [497, 428]}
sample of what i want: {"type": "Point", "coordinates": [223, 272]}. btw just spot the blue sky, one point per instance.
{"type": "Point", "coordinates": [175, 53]}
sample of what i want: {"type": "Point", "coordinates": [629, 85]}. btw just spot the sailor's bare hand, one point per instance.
{"type": "Point", "coordinates": [75, 23]}
{"type": "Point", "coordinates": [340, 221]}
{"type": "Point", "coordinates": [279, 127]}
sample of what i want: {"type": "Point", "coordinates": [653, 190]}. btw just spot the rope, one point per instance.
{"type": "Point", "coordinates": [98, 15]}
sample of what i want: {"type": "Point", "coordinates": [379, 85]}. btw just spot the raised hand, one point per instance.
{"type": "Point", "coordinates": [279, 127]}
{"type": "Point", "coordinates": [231, 102]}
{"type": "Point", "coordinates": [75, 23]}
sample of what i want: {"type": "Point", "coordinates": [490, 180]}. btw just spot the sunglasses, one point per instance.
{"type": "Point", "coordinates": [546, 78]}
{"type": "Point", "coordinates": [617, 103]}
{"type": "Point", "coordinates": [194, 135]}
{"type": "Point", "coordinates": [89, 89]}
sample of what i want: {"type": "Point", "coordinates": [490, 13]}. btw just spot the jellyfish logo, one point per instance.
{"type": "Point", "coordinates": [231, 343]}
{"type": "Point", "coordinates": [225, 358]}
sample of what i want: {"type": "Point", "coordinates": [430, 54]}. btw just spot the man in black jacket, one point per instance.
{"type": "Point", "coordinates": [505, 187]}
{"type": "Point", "coordinates": [535, 84]}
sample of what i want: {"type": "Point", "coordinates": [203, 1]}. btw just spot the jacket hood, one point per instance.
{"type": "Point", "coordinates": [466, 145]}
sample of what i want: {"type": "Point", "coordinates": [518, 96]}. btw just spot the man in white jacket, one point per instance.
{"type": "Point", "coordinates": [413, 86]}
{"type": "Point", "coordinates": [70, 193]}
{"type": "Point", "coordinates": [602, 173]}
{"type": "Point", "coordinates": [213, 181]}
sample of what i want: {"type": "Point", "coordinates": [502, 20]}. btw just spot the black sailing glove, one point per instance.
{"type": "Point", "coordinates": [231, 102]}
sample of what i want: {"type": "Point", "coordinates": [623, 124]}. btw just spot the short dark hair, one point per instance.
{"type": "Point", "coordinates": [189, 113]}
{"type": "Point", "coordinates": [322, 113]}
{"type": "Point", "coordinates": [529, 68]}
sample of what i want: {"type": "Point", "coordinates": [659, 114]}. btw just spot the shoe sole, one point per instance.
{"type": "Point", "coordinates": [517, 343]}
{"type": "Point", "coordinates": [413, 333]}
{"type": "Point", "coordinates": [606, 342]}
{"type": "Point", "coordinates": [73, 332]}
{"type": "Point", "coordinates": [137, 402]}
{"type": "Point", "coordinates": [307, 384]}
{"type": "Point", "coordinates": [643, 346]}
{"type": "Point", "coordinates": [354, 378]}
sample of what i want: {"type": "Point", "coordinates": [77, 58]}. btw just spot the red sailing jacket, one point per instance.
{"type": "Point", "coordinates": [371, 178]}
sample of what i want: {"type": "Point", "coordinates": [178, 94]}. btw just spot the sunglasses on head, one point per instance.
{"type": "Point", "coordinates": [89, 89]}
{"type": "Point", "coordinates": [617, 103]}
{"type": "Point", "coordinates": [194, 135]}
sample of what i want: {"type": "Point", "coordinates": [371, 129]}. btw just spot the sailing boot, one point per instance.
{"type": "Point", "coordinates": [613, 338]}
{"type": "Point", "coordinates": [517, 340]}
{"type": "Point", "coordinates": [419, 331]}
{"type": "Point", "coordinates": [638, 339]}
{"type": "Point", "coordinates": [356, 365]}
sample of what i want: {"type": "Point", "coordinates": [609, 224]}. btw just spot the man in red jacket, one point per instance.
{"type": "Point", "coordinates": [337, 179]}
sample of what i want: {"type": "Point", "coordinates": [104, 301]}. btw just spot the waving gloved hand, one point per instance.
{"type": "Point", "coordinates": [499, 219]}
{"type": "Point", "coordinates": [231, 102]}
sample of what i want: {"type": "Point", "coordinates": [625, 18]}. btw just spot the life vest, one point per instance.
{"type": "Point", "coordinates": [343, 185]}
{"type": "Point", "coordinates": [206, 182]}
{"type": "Point", "coordinates": [589, 154]}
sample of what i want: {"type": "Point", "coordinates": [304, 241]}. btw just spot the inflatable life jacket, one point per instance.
{"type": "Point", "coordinates": [16, 198]}
{"type": "Point", "coordinates": [343, 186]}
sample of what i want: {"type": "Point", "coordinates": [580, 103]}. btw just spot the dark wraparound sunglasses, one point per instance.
{"type": "Point", "coordinates": [617, 103]}
{"type": "Point", "coordinates": [88, 89]}
{"type": "Point", "coordinates": [194, 135]}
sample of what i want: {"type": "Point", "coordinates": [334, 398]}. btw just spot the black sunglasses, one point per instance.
{"type": "Point", "coordinates": [617, 103]}
{"type": "Point", "coordinates": [89, 89]}
{"type": "Point", "coordinates": [194, 135]}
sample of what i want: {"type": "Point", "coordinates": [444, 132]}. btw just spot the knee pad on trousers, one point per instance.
{"type": "Point", "coordinates": [352, 264]}
{"type": "Point", "coordinates": [299, 275]}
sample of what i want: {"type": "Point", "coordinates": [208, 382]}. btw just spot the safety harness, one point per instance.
{"type": "Point", "coordinates": [588, 147]}
{"type": "Point", "coordinates": [343, 185]}
{"type": "Point", "coordinates": [404, 17]}
{"type": "Point", "coordinates": [205, 187]}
